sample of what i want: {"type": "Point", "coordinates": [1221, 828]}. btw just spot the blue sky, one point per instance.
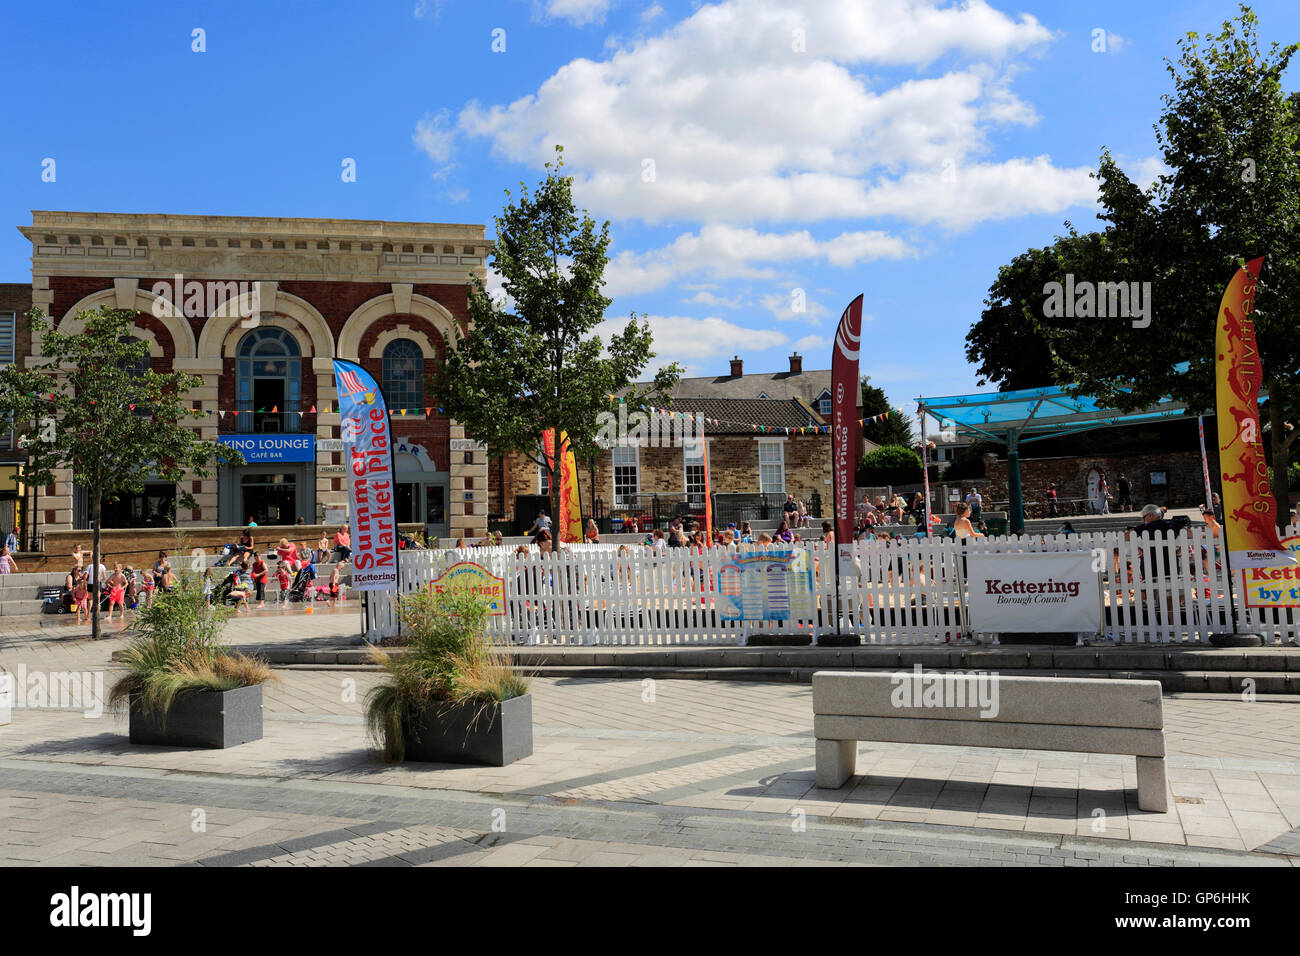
{"type": "Point", "coordinates": [743, 150]}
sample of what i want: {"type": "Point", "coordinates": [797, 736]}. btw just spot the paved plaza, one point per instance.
{"type": "Point", "coordinates": [625, 772]}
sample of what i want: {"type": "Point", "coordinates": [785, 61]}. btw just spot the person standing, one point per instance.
{"type": "Point", "coordinates": [117, 592]}
{"type": "Point", "coordinates": [258, 573]}
{"type": "Point", "coordinates": [11, 542]}
{"type": "Point", "coordinates": [7, 564]}
{"type": "Point", "coordinates": [1103, 495]}
{"type": "Point", "coordinates": [1052, 502]}
{"type": "Point", "coordinates": [1125, 490]}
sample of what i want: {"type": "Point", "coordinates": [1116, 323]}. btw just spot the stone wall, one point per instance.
{"type": "Point", "coordinates": [733, 469]}
{"type": "Point", "coordinates": [1185, 488]}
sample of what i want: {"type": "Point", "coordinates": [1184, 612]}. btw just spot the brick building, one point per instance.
{"type": "Point", "coordinates": [744, 460]}
{"type": "Point", "coordinates": [258, 308]}
{"type": "Point", "coordinates": [15, 341]}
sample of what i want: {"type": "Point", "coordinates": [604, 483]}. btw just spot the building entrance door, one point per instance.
{"type": "Point", "coordinates": [269, 498]}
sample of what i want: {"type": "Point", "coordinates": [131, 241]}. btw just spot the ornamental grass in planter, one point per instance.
{"type": "Point", "coordinates": [183, 687]}
{"type": "Point", "coordinates": [449, 696]}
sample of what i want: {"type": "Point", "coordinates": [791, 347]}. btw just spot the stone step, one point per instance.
{"type": "Point", "coordinates": [1183, 682]}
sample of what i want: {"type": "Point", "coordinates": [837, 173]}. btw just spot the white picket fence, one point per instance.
{"type": "Point", "coordinates": [1155, 590]}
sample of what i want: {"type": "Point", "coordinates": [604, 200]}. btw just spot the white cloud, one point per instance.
{"type": "Point", "coordinates": [811, 343]}
{"type": "Point", "coordinates": [679, 338]}
{"type": "Point", "coordinates": [435, 136]}
{"type": "Point", "coordinates": [727, 252]}
{"type": "Point", "coordinates": [651, 12]}
{"type": "Point", "coordinates": [704, 297]}
{"type": "Point", "coordinates": [578, 12]}
{"type": "Point", "coordinates": [782, 306]}
{"type": "Point", "coordinates": [741, 127]}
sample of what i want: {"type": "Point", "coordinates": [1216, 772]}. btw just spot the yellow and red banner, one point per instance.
{"type": "Point", "coordinates": [489, 588]}
{"type": "Point", "coordinates": [1249, 510]}
{"type": "Point", "coordinates": [568, 523]}
{"type": "Point", "coordinates": [1275, 586]}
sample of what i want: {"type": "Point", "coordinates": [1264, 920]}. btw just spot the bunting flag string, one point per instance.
{"type": "Point", "coordinates": [761, 429]}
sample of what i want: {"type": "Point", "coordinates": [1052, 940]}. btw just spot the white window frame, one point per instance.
{"type": "Point", "coordinates": [689, 462]}
{"type": "Point", "coordinates": [615, 465]}
{"type": "Point", "coordinates": [543, 479]}
{"type": "Point", "coordinates": [779, 444]}
{"type": "Point", "coordinates": [11, 318]}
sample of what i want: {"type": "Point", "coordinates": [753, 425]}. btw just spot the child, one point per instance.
{"type": "Point", "coordinates": [335, 590]}
{"type": "Point", "coordinates": [149, 585]}
{"type": "Point", "coordinates": [81, 598]}
{"type": "Point", "coordinates": [310, 568]}
{"type": "Point", "coordinates": [239, 589]}
{"type": "Point", "coordinates": [117, 593]}
{"type": "Point", "coordinates": [208, 585]}
{"type": "Point", "coordinates": [282, 578]}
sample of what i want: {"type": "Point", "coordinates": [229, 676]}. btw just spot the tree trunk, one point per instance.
{"type": "Point", "coordinates": [94, 567]}
{"type": "Point", "coordinates": [1281, 462]}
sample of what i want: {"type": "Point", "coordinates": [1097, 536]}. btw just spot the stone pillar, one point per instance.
{"type": "Point", "coordinates": [468, 509]}
{"type": "Point", "coordinates": [205, 398]}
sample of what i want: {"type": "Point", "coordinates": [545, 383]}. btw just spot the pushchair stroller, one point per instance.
{"type": "Point", "coordinates": [298, 589]}
{"type": "Point", "coordinates": [221, 593]}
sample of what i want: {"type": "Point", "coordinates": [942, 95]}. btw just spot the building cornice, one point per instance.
{"type": "Point", "coordinates": [83, 243]}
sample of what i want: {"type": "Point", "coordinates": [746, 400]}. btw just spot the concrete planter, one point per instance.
{"type": "Point", "coordinates": [493, 734]}
{"type": "Point", "coordinates": [202, 718]}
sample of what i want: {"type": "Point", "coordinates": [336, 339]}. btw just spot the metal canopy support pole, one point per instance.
{"type": "Point", "coordinates": [1017, 504]}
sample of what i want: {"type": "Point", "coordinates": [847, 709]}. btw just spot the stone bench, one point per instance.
{"type": "Point", "coordinates": [987, 710]}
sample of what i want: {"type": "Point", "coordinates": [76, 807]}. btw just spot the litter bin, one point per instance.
{"type": "Point", "coordinates": [997, 526]}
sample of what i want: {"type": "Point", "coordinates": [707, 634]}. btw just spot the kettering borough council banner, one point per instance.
{"type": "Point", "coordinates": [1035, 593]}
{"type": "Point", "coordinates": [368, 458]}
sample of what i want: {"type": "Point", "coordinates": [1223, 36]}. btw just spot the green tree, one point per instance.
{"type": "Point", "coordinates": [1229, 135]}
{"type": "Point", "coordinates": [88, 406]}
{"type": "Point", "coordinates": [894, 430]}
{"type": "Point", "coordinates": [532, 361]}
{"type": "Point", "coordinates": [1007, 346]}
{"type": "Point", "coordinates": [889, 465]}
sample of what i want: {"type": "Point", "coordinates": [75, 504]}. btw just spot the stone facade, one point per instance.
{"type": "Point", "coordinates": [733, 469]}
{"type": "Point", "coordinates": [1185, 486]}
{"type": "Point", "coordinates": [339, 288]}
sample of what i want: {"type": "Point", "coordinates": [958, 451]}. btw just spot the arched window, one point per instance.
{"type": "Point", "coordinates": [135, 370]}
{"type": "Point", "coordinates": [270, 377]}
{"type": "Point", "coordinates": [403, 376]}
{"type": "Point", "coordinates": [140, 365]}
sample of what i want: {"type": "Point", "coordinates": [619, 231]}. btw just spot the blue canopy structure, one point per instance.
{"type": "Point", "coordinates": [1031, 414]}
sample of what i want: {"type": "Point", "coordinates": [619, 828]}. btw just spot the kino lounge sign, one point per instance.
{"type": "Point", "coordinates": [272, 448]}
{"type": "Point", "coordinates": [1034, 593]}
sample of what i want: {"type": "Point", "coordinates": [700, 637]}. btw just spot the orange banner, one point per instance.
{"type": "Point", "coordinates": [708, 498]}
{"type": "Point", "coordinates": [1249, 510]}
{"type": "Point", "coordinates": [568, 523]}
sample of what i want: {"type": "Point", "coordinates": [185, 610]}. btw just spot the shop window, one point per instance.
{"type": "Point", "coordinates": [403, 376]}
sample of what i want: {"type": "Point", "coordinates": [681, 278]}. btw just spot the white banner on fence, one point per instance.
{"type": "Point", "coordinates": [1017, 593]}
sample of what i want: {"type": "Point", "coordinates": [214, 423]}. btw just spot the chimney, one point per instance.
{"type": "Point", "coordinates": [796, 364]}
{"type": "Point", "coordinates": [737, 367]}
